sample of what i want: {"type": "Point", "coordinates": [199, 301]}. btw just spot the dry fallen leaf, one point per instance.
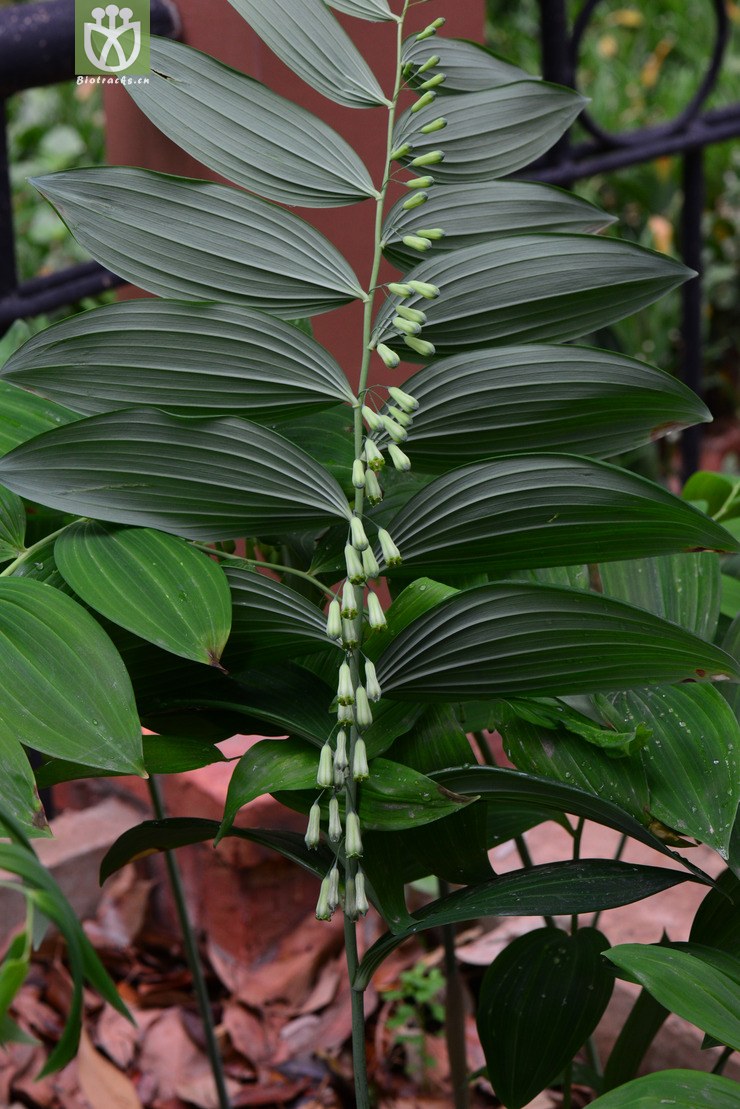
{"type": "Point", "coordinates": [104, 1086]}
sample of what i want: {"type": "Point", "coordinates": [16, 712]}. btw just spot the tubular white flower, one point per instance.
{"type": "Point", "coordinates": [416, 242]}
{"type": "Point", "coordinates": [355, 573]}
{"type": "Point", "coordinates": [313, 831]}
{"type": "Point", "coordinates": [402, 418]}
{"type": "Point", "coordinates": [370, 563]}
{"type": "Point", "coordinates": [345, 715]}
{"type": "Point", "coordinates": [334, 620]}
{"type": "Point", "coordinates": [407, 326]}
{"type": "Point", "coordinates": [360, 767]}
{"type": "Point", "coordinates": [349, 601]}
{"type": "Point", "coordinates": [390, 358]}
{"type": "Point", "coordinates": [361, 902]}
{"type": "Point", "coordinates": [325, 773]}
{"type": "Point", "coordinates": [323, 908]}
{"type": "Point", "coordinates": [373, 457]}
{"type": "Point", "coordinates": [358, 474]}
{"type": "Point", "coordinates": [357, 531]}
{"type": "Point", "coordinates": [414, 202]}
{"type": "Point", "coordinates": [333, 892]}
{"type": "Point", "coordinates": [400, 460]}
{"type": "Point", "coordinates": [372, 419]}
{"type": "Point", "coordinates": [363, 712]}
{"type": "Point", "coordinates": [372, 685]}
{"type": "Point", "coordinates": [424, 289]}
{"type": "Point", "coordinates": [421, 346]}
{"type": "Point", "coordinates": [412, 314]}
{"type": "Point", "coordinates": [335, 824]}
{"type": "Point", "coordinates": [402, 399]}
{"type": "Point", "coordinates": [341, 761]}
{"type": "Point", "coordinates": [390, 551]}
{"type": "Point", "coordinates": [398, 288]}
{"type": "Point", "coordinates": [345, 691]}
{"type": "Point", "coordinates": [396, 432]}
{"type": "Point", "coordinates": [349, 635]}
{"type": "Point", "coordinates": [352, 837]}
{"type": "Point", "coordinates": [375, 614]}
{"type": "Point", "coordinates": [374, 494]}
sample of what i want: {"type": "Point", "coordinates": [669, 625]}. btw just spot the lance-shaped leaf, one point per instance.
{"type": "Point", "coordinates": [539, 398]}
{"type": "Point", "coordinates": [246, 132]}
{"type": "Point", "coordinates": [467, 66]}
{"type": "Point", "coordinates": [544, 510]}
{"type": "Point", "coordinates": [306, 36]}
{"type": "Point", "coordinates": [684, 1089]}
{"type": "Point", "coordinates": [474, 213]}
{"type": "Point", "coordinates": [270, 620]}
{"type": "Point", "coordinates": [154, 584]}
{"type": "Point", "coordinates": [375, 11]}
{"type": "Point", "coordinates": [692, 759]}
{"type": "Point", "coordinates": [492, 133]}
{"type": "Point", "coordinates": [12, 525]}
{"type": "Point", "coordinates": [553, 889]}
{"type": "Point", "coordinates": [539, 1001]}
{"type": "Point", "coordinates": [65, 690]}
{"type": "Point", "coordinates": [201, 241]}
{"type": "Point", "coordinates": [214, 479]}
{"type": "Point", "coordinates": [531, 288]}
{"type": "Point", "coordinates": [18, 792]}
{"type": "Point", "coordinates": [23, 416]}
{"type": "Point", "coordinates": [686, 985]}
{"type": "Point", "coordinates": [188, 359]}
{"type": "Point", "coordinates": [683, 588]}
{"type": "Point", "coordinates": [498, 640]}
{"type": "Point", "coordinates": [163, 754]}
{"type": "Point", "coordinates": [272, 764]}
{"type": "Point", "coordinates": [715, 922]}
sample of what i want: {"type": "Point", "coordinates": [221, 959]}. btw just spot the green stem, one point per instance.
{"type": "Point", "coordinates": [719, 1066]}
{"type": "Point", "coordinates": [524, 855]}
{"type": "Point", "coordinates": [256, 564]}
{"type": "Point", "coordinates": [362, 1092]}
{"type": "Point", "coordinates": [193, 957]}
{"type": "Point", "coordinates": [29, 552]}
{"type": "Point", "coordinates": [485, 748]}
{"type": "Point", "coordinates": [577, 836]}
{"type": "Point", "coordinates": [568, 1087]}
{"type": "Point", "coordinates": [455, 1015]}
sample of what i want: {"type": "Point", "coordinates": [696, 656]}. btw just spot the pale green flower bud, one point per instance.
{"type": "Point", "coordinates": [363, 712]}
{"type": "Point", "coordinates": [436, 125]}
{"type": "Point", "coordinates": [349, 601]}
{"type": "Point", "coordinates": [419, 182]}
{"type": "Point", "coordinates": [333, 896]}
{"type": "Point", "coordinates": [414, 202]}
{"type": "Point", "coordinates": [355, 572]}
{"type": "Point", "coordinates": [352, 837]}
{"type": "Point", "coordinates": [345, 715]}
{"type": "Point", "coordinates": [360, 768]}
{"type": "Point", "coordinates": [428, 64]}
{"type": "Point", "coordinates": [424, 289]}
{"type": "Point", "coordinates": [323, 908]}
{"type": "Point", "coordinates": [400, 152]}
{"type": "Point", "coordinates": [350, 904]}
{"type": "Point", "coordinates": [407, 326]}
{"type": "Point", "coordinates": [433, 233]}
{"type": "Point", "coordinates": [325, 774]}
{"type": "Point", "coordinates": [400, 417]}
{"type": "Point", "coordinates": [340, 755]}
{"type": "Point", "coordinates": [396, 287]}
{"type": "Point", "coordinates": [373, 457]}
{"type": "Point", "coordinates": [375, 614]}
{"type": "Point", "coordinates": [389, 356]}
{"type": "Point", "coordinates": [345, 690]}
{"type": "Point", "coordinates": [396, 432]}
{"type": "Point", "coordinates": [415, 242]}
{"type": "Point", "coordinates": [357, 531]}
{"type": "Point", "coordinates": [313, 832]}
{"type": "Point", "coordinates": [426, 98]}
{"type": "Point", "coordinates": [335, 824]}
{"type": "Point", "coordinates": [372, 419]}
{"type": "Point", "coordinates": [370, 563]}
{"type": "Point", "coordinates": [372, 685]}
{"type": "Point", "coordinates": [349, 635]}
{"type": "Point", "coordinates": [389, 550]}
{"type": "Point", "coordinates": [400, 460]}
{"type": "Point", "coordinates": [361, 903]}
{"type": "Point", "coordinates": [412, 314]}
{"type": "Point", "coordinates": [434, 82]}
{"type": "Point", "coordinates": [358, 474]}
{"type": "Point", "coordinates": [430, 30]}
{"type": "Point", "coordinates": [403, 400]}
{"type": "Point", "coordinates": [421, 346]}
{"type": "Point", "coordinates": [334, 621]}
{"type": "Point", "coordinates": [433, 158]}
{"type": "Point", "coordinates": [374, 495]}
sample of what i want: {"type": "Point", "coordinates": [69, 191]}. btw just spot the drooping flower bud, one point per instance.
{"type": "Point", "coordinates": [436, 125]}
{"type": "Point", "coordinates": [323, 908]}
{"type": "Point", "coordinates": [333, 895]}
{"type": "Point", "coordinates": [428, 64]}
{"type": "Point", "coordinates": [403, 400]}
{"type": "Point", "coordinates": [427, 32]}
{"type": "Point", "coordinates": [334, 620]}
{"type": "Point", "coordinates": [335, 824]}
{"type": "Point", "coordinates": [325, 773]}
{"type": "Point", "coordinates": [433, 233]}
{"type": "Point", "coordinates": [370, 562]}
{"type": "Point", "coordinates": [349, 601]}
{"type": "Point", "coordinates": [345, 715]}
{"type": "Point", "coordinates": [389, 356]}
{"type": "Point", "coordinates": [421, 346]}
{"type": "Point", "coordinates": [426, 98]}
{"type": "Point", "coordinates": [375, 614]}
{"type": "Point", "coordinates": [374, 494]}
{"type": "Point", "coordinates": [400, 152]}
{"type": "Point", "coordinates": [349, 635]}
{"type": "Point", "coordinates": [415, 242]}
{"type": "Point", "coordinates": [313, 832]}
{"type": "Point", "coordinates": [396, 432]}
{"type": "Point", "coordinates": [432, 158]}
{"type": "Point", "coordinates": [399, 458]}
{"type": "Point", "coordinates": [361, 903]}
{"type": "Point", "coordinates": [419, 182]}
{"type": "Point", "coordinates": [372, 685]}
{"type": "Point", "coordinates": [407, 326]}
{"type": "Point", "coordinates": [340, 755]}
{"type": "Point", "coordinates": [363, 712]}
{"type": "Point", "coordinates": [358, 474]}
{"type": "Point", "coordinates": [355, 572]}
{"type": "Point", "coordinates": [434, 82]}
{"type": "Point", "coordinates": [414, 202]}
{"type": "Point", "coordinates": [345, 690]}
{"type": "Point", "coordinates": [350, 904]}
{"type": "Point", "coordinates": [397, 288]}
{"type": "Point", "coordinates": [352, 837]}
{"type": "Point", "coordinates": [360, 767]}
{"type": "Point", "coordinates": [389, 550]}
{"type": "Point", "coordinates": [372, 419]}
{"type": "Point", "coordinates": [413, 314]}
{"type": "Point", "coordinates": [424, 289]}
{"type": "Point", "coordinates": [357, 531]}
{"type": "Point", "coordinates": [373, 457]}
{"type": "Point", "coordinates": [402, 418]}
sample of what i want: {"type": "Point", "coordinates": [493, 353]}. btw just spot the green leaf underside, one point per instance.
{"type": "Point", "coordinates": [23, 416]}
{"type": "Point", "coordinates": [557, 889]}
{"type": "Point", "coordinates": [154, 584]}
{"type": "Point", "coordinates": [468, 66]}
{"type": "Point", "coordinates": [247, 133]}
{"type": "Point", "coordinates": [305, 35]}
{"type": "Point", "coordinates": [270, 620]}
{"type": "Point", "coordinates": [200, 241]}
{"type": "Point", "coordinates": [373, 10]}
{"type": "Point", "coordinates": [532, 288]}
{"type": "Point", "coordinates": [499, 640]}
{"type": "Point", "coordinates": [18, 794]}
{"type": "Point", "coordinates": [12, 524]}
{"type": "Point", "coordinates": [684, 1089]}
{"type": "Point", "coordinates": [540, 1000]}
{"type": "Point", "coordinates": [538, 398]}
{"type": "Point", "coordinates": [692, 759]}
{"type": "Point", "coordinates": [491, 133]}
{"type": "Point", "coordinates": [682, 588]}
{"type": "Point", "coordinates": [544, 510]}
{"type": "Point", "coordinates": [217, 479]}
{"type": "Point", "coordinates": [686, 985]}
{"type": "Point", "coordinates": [65, 689]}
{"type": "Point", "coordinates": [163, 754]}
{"type": "Point", "coordinates": [188, 359]}
{"type": "Point", "coordinates": [473, 213]}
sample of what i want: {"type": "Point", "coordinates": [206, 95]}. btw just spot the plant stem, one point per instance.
{"type": "Point", "coordinates": [485, 748]}
{"type": "Point", "coordinates": [193, 957]}
{"type": "Point", "coordinates": [568, 1087]}
{"type": "Point", "coordinates": [577, 836]}
{"type": "Point", "coordinates": [362, 1093]}
{"type": "Point", "coordinates": [255, 564]}
{"type": "Point", "coordinates": [31, 551]}
{"type": "Point", "coordinates": [455, 1015]}
{"type": "Point", "coordinates": [524, 855]}
{"type": "Point", "coordinates": [719, 1066]}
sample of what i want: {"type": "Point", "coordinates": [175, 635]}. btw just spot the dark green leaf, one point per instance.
{"type": "Point", "coordinates": [540, 1000]}
{"type": "Point", "coordinates": [412, 602]}
{"type": "Point", "coordinates": [188, 359]}
{"type": "Point", "coordinates": [328, 438]}
{"type": "Point", "coordinates": [397, 796]}
{"type": "Point", "coordinates": [288, 697]}
{"type": "Point", "coordinates": [468, 66]}
{"type": "Point", "coordinates": [716, 920]}
{"type": "Point", "coordinates": [373, 10]}
{"type": "Point", "coordinates": [163, 754]}
{"type": "Point", "coordinates": [216, 479]}
{"type": "Point", "coordinates": [721, 492]}
{"type": "Point", "coordinates": [646, 1018]}
{"type": "Point", "coordinates": [23, 416]}
{"type": "Point", "coordinates": [201, 241]}
{"type": "Point", "coordinates": [12, 525]}
{"type": "Point", "coordinates": [268, 766]}
{"type": "Point", "coordinates": [18, 793]}
{"type": "Point", "coordinates": [246, 132]}
{"type": "Point", "coordinates": [270, 620]}
{"type": "Point", "coordinates": [684, 1089]}
{"type": "Point", "coordinates": [683, 588]}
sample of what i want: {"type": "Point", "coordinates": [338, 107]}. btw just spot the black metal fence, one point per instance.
{"type": "Point", "coordinates": [36, 49]}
